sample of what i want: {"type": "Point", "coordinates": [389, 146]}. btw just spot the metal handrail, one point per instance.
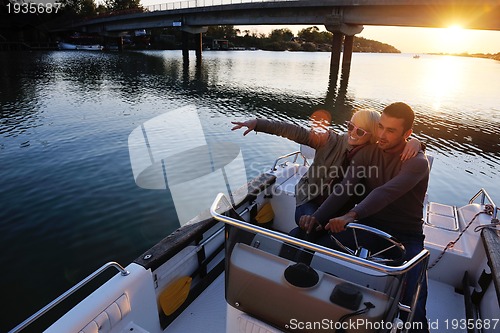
{"type": "Point", "coordinates": [296, 153]}
{"type": "Point", "coordinates": [389, 270]}
{"type": "Point", "coordinates": [68, 293]}
{"type": "Point", "coordinates": [202, 3]}
{"type": "Point", "coordinates": [411, 309]}
{"type": "Point", "coordinates": [484, 195]}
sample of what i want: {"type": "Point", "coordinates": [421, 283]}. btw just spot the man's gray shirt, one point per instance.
{"type": "Point", "coordinates": [396, 190]}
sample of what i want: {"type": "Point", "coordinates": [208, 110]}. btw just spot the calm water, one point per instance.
{"type": "Point", "coordinates": [68, 201]}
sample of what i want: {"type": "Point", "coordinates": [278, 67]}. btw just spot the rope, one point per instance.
{"type": "Point", "coordinates": [488, 209]}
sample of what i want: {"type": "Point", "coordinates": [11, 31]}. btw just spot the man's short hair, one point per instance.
{"type": "Point", "coordinates": [403, 111]}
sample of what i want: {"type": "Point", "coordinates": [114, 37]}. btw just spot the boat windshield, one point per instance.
{"type": "Point", "coordinates": [172, 152]}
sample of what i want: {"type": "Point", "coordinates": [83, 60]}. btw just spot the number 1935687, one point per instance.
{"type": "Point", "coordinates": [33, 8]}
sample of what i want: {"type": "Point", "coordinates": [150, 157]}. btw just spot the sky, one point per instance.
{"type": "Point", "coordinates": [435, 40]}
{"type": "Point", "coordinates": [418, 40]}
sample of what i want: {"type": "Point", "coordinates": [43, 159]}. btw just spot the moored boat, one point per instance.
{"type": "Point", "coordinates": [86, 43]}
{"type": "Point", "coordinates": [223, 270]}
{"type": "Point", "coordinates": [69, 46]}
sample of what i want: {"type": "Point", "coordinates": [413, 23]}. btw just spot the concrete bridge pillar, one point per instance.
{"type": "Point", "coordinates": [198, 46]}
{"type": "Point", "coordinates": [335, 56]}
{"type": "Point", "coordinates": [197, 31]}
{"type": "Point", "coordinates": [343, 35]}
{"type": "Point", "coordinates": [347, 56]}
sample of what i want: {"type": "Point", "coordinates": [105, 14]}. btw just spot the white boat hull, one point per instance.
{"type": "Point", "coordinates": [69, 46]}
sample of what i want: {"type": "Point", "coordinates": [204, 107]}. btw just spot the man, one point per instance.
{"type": "Point", "coordinates": [395, 199]}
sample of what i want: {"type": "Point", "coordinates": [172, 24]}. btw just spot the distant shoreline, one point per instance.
{"type": "Point", "coordinates": [495, 56]}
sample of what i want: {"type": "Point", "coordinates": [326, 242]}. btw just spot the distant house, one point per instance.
{"type": "Point", "coordinates": [215, 44]}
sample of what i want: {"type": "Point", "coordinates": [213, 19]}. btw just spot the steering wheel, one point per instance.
{"type": "Point", "coordinates": [375, 255]}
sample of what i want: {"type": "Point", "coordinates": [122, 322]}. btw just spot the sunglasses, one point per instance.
{"type": "Point", "coordinates": [359, 131]}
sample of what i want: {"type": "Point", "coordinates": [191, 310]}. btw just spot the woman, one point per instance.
{"type": "Point", "coordinates": [333, 152]}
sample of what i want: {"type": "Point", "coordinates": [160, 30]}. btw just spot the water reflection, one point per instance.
{"type": "Point", "coordinates": [134, 76]}
{"type": "Point", "coordinates": [336, 95]}
{"type": "Point", "coordinates": [446, 78]}
{"type": "Point", "coordinates": [449, 128]}
{"type": "Point", "coordinates": [67, 189]}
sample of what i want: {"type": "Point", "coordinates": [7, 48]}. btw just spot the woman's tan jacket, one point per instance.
{"type": "Point", "coordinates": [328, 165]}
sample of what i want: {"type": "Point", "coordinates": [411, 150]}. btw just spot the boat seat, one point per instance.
{"type": "Point", "coordinates": [283, 199]}
{"type": "Point", "coordinates": [109, 308]}
{"type": "Point", "coordinates": [107, 319]}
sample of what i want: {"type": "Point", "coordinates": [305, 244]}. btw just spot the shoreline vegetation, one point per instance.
{"type": "Point", "coordinates": [311, 39]}
{"type": "Point", "coordinates": [494, 56]}
{"type": "Point", "coordinates": [308, 39]}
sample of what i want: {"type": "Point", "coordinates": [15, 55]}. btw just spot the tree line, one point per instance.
{"type": "Point", "coordinates": [307, 39]}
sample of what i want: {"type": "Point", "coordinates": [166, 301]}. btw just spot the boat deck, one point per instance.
{"type": "Point", "coordinates": [208, 312]}
{"type": "Point", "coordinates": [444, 308]}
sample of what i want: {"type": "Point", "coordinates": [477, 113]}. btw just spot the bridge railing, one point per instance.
{"type": "Point", "coordinates": [201, 3]}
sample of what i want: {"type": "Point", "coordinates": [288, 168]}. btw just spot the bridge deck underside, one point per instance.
{"type": "Point", "coordinates": [483, 15]}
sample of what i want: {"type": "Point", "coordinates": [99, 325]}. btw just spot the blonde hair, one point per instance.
{"type": "Point", "coordinates": [368, 120]}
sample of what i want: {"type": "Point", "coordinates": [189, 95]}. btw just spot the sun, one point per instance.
{"type": "Point", "coordinates": [452, 39]}
{"type": "Point", "coordinates": [454, 31]}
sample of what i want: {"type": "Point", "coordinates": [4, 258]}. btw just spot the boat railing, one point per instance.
{"type": "Point", "coordinates": [483, 195]}
{"type": "Point", "coordinates": [68, 293]}
{"type": "Point", "coordinates": [221, 205]}
{"type": "Point", "coordinates": [295, 153]}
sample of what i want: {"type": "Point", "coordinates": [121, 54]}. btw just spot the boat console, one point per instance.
{"type": "Point", "coordinates": [282, 293]}
{"type": "Point", "coordinates": [268, 290]}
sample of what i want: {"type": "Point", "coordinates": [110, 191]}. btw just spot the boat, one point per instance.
{"type": "Point", "coordinates": [78, 42]}
{"type": "Point", "coordinates": [416, 56]}
{"type": "Point", "coordinates": [215, 44]}
{"type": "Point", "coordinates": [223, 271]}
{"type": "Point", "coordinates": [70, 46]}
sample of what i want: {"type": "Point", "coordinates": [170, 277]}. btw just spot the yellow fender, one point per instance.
{"type": "Point", "coordinates": [174, 295]}
{"type": "Point", "coordinates": [265, 214]}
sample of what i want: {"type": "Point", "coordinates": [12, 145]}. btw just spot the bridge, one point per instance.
{"type": "Point", "coordinates": [344, 18]}
{"type": "Point", "coordinates": [469, 14]}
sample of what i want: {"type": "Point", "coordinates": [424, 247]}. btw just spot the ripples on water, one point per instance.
{"type": "Point", "coordinates": [67, 196]}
